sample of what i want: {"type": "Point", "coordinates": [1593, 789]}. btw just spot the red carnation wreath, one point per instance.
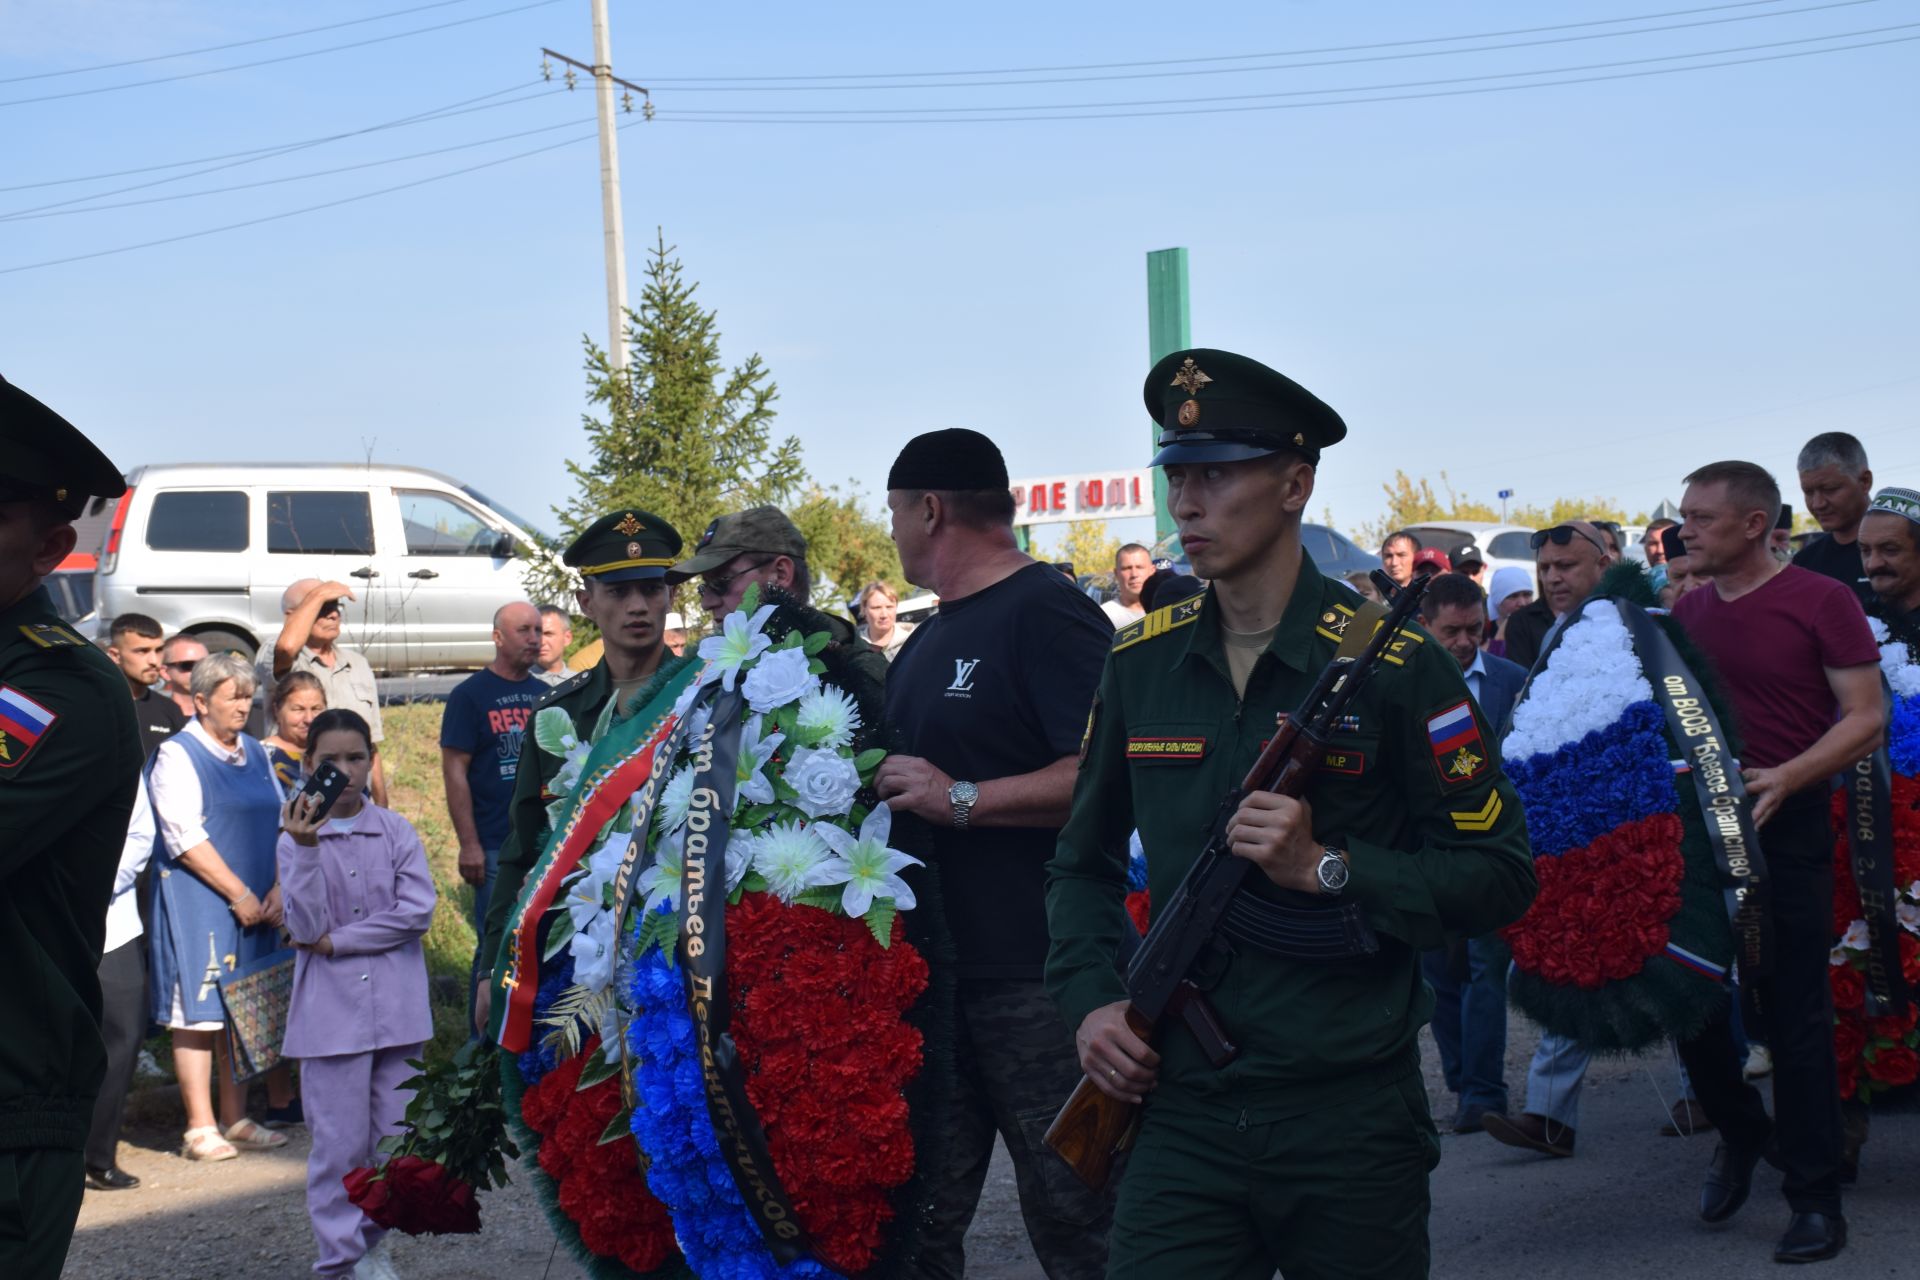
{"type": "Point", "coordinates": [1603, 910]}
{"type": "Point", "coordinates": [1874, 1054]}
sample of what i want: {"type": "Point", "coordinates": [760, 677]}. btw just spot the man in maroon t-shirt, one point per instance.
{"type": "Point", "coordinates": [1801, 670]}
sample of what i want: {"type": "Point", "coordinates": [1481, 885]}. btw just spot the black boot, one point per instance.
{"type": "Point", "coordinates": [1729, 1179]}
{"type": "Point", "coordinates": [1812, 1237]}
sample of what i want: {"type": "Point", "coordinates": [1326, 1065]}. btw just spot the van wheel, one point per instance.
{"type": "Point", "coordinates": [218, 641]}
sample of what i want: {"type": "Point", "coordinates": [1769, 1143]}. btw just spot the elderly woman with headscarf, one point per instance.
{"type": "Point", "coordinates": [216, 907]}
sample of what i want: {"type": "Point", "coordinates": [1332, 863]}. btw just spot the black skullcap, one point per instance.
{"type": "Point", "coordinates": [1670, 542]}
{"type": "Point", "coordinates": [952, 459]}
{"type": "Point", "coordinates": [1785, 519]}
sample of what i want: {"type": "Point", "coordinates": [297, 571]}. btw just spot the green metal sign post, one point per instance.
{"type": "Point", "coordinates": [1169, 329]}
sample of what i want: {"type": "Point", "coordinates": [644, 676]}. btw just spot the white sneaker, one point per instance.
{"type": "Point", "coordinates": [378, 1262]}
{"type": "Point", "coordinates": [1759, 1062]}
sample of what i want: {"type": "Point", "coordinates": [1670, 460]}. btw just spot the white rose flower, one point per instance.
{"type": "Point", "coordinates": [826, 781]}
{"type": "Point", "coordinates": [779, 678]}
{"type": "Point", "coordinates": [827, 717]}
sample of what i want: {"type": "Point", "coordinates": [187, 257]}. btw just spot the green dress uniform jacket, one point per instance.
{"type": "Point", "coordinates": [1411, 787]}
{"type": "Point", "coordinates": [69, 766]}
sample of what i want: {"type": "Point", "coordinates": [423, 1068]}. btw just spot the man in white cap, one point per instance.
{"type": "Point", "coordinates": [676, 634]}
{"type": "Point", "coordinates": [1890, 553]}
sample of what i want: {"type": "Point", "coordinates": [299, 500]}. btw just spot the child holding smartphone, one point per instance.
{"type": "Point", "coordinates": [358, 899]}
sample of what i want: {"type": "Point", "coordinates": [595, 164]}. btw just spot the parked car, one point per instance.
{"type": "Point", "coordinates": [1501, 545]}
{"type": "Point", "coordinates": [71, 586]}
{"type": "Point", "coordinates": [1334, 554]}
{"type": "Point", "coordinates": [207, 549]}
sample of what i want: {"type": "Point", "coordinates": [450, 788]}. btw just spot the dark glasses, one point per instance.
{"type": "Point", "coordinates": [180, 666]}
{"type": "Point", "coordinates": [718, 584]}
{"type": "Point", "coordinates": [1560, 535]}
{"type": "Point", "coordinates": [328, 609]}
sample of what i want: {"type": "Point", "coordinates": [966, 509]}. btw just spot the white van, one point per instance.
{"type": "Point", "coordinates": [207, 548]}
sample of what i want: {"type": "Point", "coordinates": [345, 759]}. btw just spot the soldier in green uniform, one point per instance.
{"type": "Point", "coordinates": [69, 766]}
{"type": "Point", "coordinates": [1310, 1152]}
{"type": "Point", "coordinates": [622, 560]}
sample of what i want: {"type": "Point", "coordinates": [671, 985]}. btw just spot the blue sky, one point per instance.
{"type": "Point", "coordinates": [1582, 289]}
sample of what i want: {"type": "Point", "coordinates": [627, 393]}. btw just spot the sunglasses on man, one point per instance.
{"type": "Point", "coordinates": [1561, 534]}
{"type": "Point", "coordinates": [717, 585]}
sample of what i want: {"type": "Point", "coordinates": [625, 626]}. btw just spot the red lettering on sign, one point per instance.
{"type": "Point", "coordinates": [1058, 495]}
{"type": "Point", "coordinates": [1095, 495]}
{"type": "Point", "coordinates": [1038, 500]}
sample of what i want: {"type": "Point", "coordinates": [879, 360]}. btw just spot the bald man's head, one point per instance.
{"type": "Point", "coordinates": [516, 639]}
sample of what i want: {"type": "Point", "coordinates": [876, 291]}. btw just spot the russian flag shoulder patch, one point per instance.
{"type": "Point", "coordinates": [23, 722]}
{"type": "Point", "coordinates": [1458, 752]}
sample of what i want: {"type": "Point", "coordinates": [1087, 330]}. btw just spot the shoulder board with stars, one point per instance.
{"type": "Point", "coordinates": [1336, 617]}
{"type": "Point", "coordinates": [1158, 623]}
{"type": "Point", "coordinates": [51, 635]}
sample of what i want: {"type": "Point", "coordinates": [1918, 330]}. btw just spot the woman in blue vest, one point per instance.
{"type": "Point", "coordinates": [216, 908]}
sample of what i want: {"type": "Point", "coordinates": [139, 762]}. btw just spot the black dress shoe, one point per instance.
{"type": "Point", "coordinates": [111, 1178]}
{"type": "Point", "coordinates": [1729, 1179]}
{"type": "Point", "coordinates": [1472, 1119]}
{"type": "Point", "coordinates": [1812, 1237]}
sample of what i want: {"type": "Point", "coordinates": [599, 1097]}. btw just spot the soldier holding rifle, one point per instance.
{"type": "Point", "coordinates": [1297, 1137]}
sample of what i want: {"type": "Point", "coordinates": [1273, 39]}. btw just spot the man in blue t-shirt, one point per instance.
{"type": "Point", "coordinates": [486, 718]}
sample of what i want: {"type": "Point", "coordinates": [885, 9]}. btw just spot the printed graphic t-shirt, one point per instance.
{"type": "Point", "coordinates": [487, 717]}
{"type": "Point", "coordinates": [995, 684]}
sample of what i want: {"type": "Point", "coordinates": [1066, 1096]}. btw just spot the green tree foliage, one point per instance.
{"type": "Point", "coordinates": [1089, 546]}
{"type": "Point", "coordinates": [1411, 502]}
{"type": "Point", "coordinates": [847, 545]}
{"type": "Point", "coordinates": [678, 433]}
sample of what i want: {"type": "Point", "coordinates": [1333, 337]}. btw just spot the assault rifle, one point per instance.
{"type": "Point", "coordinates": [1093, 1128]}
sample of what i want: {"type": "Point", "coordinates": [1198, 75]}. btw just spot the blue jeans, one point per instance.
{"type": "Point", "coordinates": [482, 899]}
{"type": "Point", "coordinates": [1554, 1078]}
{"type": "Point", "coordinates": [1470, 1023]}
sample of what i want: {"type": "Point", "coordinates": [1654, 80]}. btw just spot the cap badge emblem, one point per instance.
{"type": "Point", "coordinates": [1299, 441]}
{"type": "Point", "coordinates": [1190, 379]}
{"type": "Point", "coordinates": [707, 537]}
{"type": "Point", "coordinates": [628, 526]}
{"type": "Point", "coordinates": [1189, 413]}
{"type": "Point", "coordinates": [633, 551]}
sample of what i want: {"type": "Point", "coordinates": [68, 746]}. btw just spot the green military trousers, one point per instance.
{"type": "Point", "coordinates": [40, 1192]}
{"type": "Point", "coordinates": [1339, 1192]}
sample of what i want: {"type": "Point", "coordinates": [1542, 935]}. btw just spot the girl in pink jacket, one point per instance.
{"type": "Point", "coordinates": [358, 899]}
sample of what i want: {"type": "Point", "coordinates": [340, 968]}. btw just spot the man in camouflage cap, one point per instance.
{"type": "Point", "coordinates": [622, 559]}
{"type": "Point", "coordinates": [69, 766]}
{"type": "Point", "coordinates": [1310, 1152]}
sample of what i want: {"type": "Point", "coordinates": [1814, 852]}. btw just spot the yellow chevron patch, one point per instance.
{"type": "Point", "coordinates": [1158, 623]}
{"type": "Point", "coordinates": [1481, 819]}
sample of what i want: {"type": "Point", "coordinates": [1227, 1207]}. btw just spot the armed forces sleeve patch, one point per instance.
{"type": "Point", "coordinates": [1459, 753]}
{"type": "Point", "coordinates": [23, 722]}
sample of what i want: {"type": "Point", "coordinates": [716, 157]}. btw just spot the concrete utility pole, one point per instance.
{"type": "Point", "coordinates": [601, 70]}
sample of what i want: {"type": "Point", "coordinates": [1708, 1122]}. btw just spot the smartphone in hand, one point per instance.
{"type": "Point", "coordinates": [328, 782]}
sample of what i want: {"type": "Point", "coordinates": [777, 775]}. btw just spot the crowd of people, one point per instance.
{"type": "Point", "coordinates": [1036, 735]}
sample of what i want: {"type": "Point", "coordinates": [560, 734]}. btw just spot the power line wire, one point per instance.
{"type": "Point", "coordinates": [274, 153]}
{"type": "Point", "coordinates": [749, 85]}
{"type": "Point", "coordinates": [26, 216]}
{"type": "Point", "coordinates": [291, 213]}
{"type": "Point", "coordinates": [438, 113]}
{"type": "Point", "coordinates": [286, 57]}
{"type": "Point", "coordinates": [1092, 113]}
{"type": "Point", "coordinates": [233, 44]}
{"type": "Point", "coordinates": [1285, 93]}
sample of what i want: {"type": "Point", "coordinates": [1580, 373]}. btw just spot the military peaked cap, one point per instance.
{"type": "Point", "coordinates": [1215, 406]}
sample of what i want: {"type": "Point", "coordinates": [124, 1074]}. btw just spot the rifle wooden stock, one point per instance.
{"type": "Point", "coordinates": [1092, 1129]}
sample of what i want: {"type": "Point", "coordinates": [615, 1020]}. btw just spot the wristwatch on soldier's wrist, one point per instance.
{"type": "Point", "coordinates": [962, 796]}
{"type": "Point", "coordinates": [1332, 871]}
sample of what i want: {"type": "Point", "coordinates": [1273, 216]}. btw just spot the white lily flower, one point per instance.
{"type": "Point", "coordinates": [827, 717]}
{"type": "Point", "coordinates": [661, 881]}
{"type": "Point", "coordinates": [740, 641]}
{"type": "Point", "coordinates": [594, 953]}
{"type": "Point", "coordinates": [791, 858]}
{"type": "Point", "coordinates": [864, 863]}
{"type": "Point", "coordinates": [1908, 915]}
{"type": "Point", "coordinates": [1857, 937]}
{"type": "Point", "coordinates": [755, 787]}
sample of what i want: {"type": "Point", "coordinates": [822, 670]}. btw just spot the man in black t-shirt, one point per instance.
{"type": "Point", "coordinates": [134, 644]}
{"type": "Point", "coordinates": [990, 697]}
{"type": "Point", "coordinates": [1838, 485]}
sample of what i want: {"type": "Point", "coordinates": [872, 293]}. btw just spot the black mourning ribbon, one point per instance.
{"type": "Point", "coordinates": [703, 961]}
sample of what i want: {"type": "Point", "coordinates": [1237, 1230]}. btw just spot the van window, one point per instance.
{"type": "Point", "coordinates": [312, 522]}
{"type": "Point", "coordinates": [198, 520]}
{"type": "Point", "coordinates": [1512, 545]}
{"type": "Point", "coordinates": [436, 525]}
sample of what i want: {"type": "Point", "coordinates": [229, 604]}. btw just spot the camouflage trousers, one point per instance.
{"type": "Point", "coordinates": [1015, 1064]}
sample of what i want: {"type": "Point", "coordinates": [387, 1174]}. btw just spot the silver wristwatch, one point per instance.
{"type": "Point", "coordinates": [1332, 872]}
{"type": "Point", "coordinates": [962, 796]}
